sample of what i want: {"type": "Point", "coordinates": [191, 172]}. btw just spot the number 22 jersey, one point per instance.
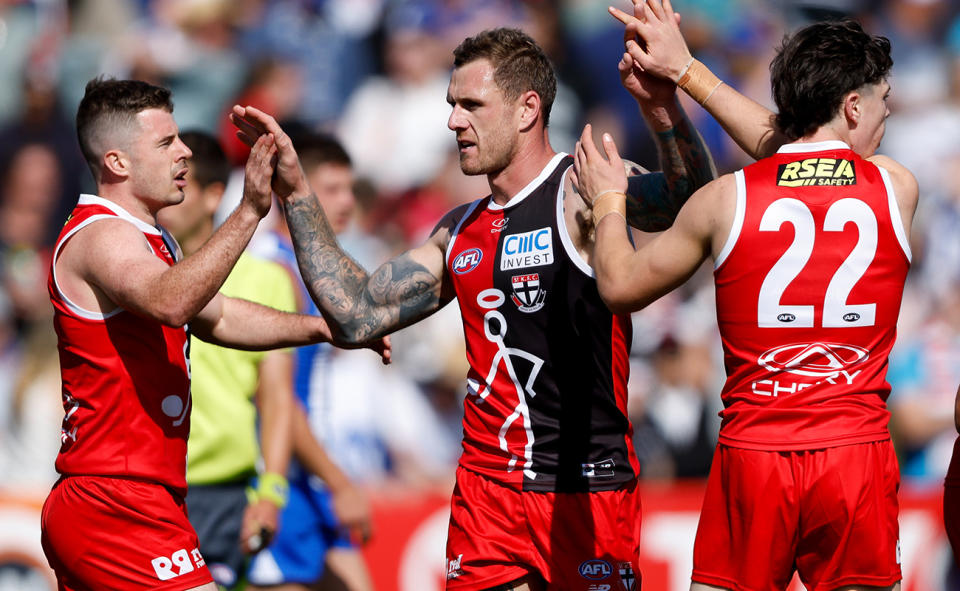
{"type": "Point", "coordinates": [809, 286]}
{"type": "Point", "coordinates": [547, 384]}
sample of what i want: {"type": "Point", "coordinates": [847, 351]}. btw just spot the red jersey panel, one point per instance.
{"type": "Point", "coordinates": [547, 385]}
{"type": "Point", "coordinates": [126, 379]}
{"type": "Point", "coordinates": [808, 294]}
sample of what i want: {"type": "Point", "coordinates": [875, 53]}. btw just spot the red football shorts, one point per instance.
{"type": "Point", "coordinates": [573, 540]}
{"type": "Point", "coordinates": [831, 514]}
{"type": "Point", "coordinates": [114, 533]}
{"type": "Point", "coordinates": [951, 502]}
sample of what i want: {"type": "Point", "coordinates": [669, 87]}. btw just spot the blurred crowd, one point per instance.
{"type": "Point", "coordinates": [374, 74]}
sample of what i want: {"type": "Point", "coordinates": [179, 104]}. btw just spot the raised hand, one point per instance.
{"type": "Point", "coordinates": [257, 174]}
{"type": "Point", "coordinates": [593, 174]}
{"type": "Point", "coordinates": [653, 39]}
{"type": "Point", "coordinates": [251, 123]}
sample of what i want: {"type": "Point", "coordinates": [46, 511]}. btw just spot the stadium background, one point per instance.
{"type": "Point", "coordinates": [374, 73]}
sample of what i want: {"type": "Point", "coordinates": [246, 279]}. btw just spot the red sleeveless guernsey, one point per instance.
{"type": "Point", "coordinates": [126, 379]}
{"type": "Point", "coordinates": [809, 285]}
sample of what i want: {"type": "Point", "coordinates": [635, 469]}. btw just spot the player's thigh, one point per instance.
{"type": "Point", "coordinates": [703, 587]}
{"type": "Point", "coordinates": [850, 533]}
{"type": "Point", "coordinates": [133, 535]}
{"type": "Point", "coordinates": [748, 523]}
{"type": "Point", "coordinates": [204, 587]}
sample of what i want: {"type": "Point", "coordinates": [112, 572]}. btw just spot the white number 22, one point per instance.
{"type": "Point", "coordinates": [836, 312]}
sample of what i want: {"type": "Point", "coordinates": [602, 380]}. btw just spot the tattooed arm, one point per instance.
{"type": "Point", "coordinates": [357, 306]}
{"type": "Point", "coordinates": [654, 199]}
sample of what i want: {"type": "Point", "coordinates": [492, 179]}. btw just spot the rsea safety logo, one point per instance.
{"type": "Point", "coordinates": [821, 172]}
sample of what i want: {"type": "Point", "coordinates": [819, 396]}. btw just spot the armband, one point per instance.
{"type": "Point", "coordinates": [699, 82]}
{"type": "Point", "coordinates": [610, 202]}
{"type": "Point", "coordinates": [274, 488]}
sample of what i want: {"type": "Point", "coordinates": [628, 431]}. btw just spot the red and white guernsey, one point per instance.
{"type": "Point", "coordinates": [547, 385]}
{"type": "Point", "coordinates": [126, 379]}
{"type": "Point", "coordinates": [809, 285]}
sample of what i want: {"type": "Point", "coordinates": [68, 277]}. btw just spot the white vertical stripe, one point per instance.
{"type": "Point", "coordinates": [738, 217]}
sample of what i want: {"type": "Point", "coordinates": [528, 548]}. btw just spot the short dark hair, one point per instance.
{"type": "Point", "coordinates": [107, 103]}
{"type": "Point", "coordinates": [209, 163]}
{"type": "Point", "coordinates": [519, 64]}
{"type": "Point", "coordinates": [316, 148]}
{"type": "Point", "coordinates": [817, 66]}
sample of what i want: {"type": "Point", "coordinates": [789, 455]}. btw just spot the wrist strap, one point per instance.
{"type": "Point", "coordinates": [274, 488]}
{"type": "Point", "coordinates": [609, 202]}
{"type": "Point", "coordinates": [699, 82]}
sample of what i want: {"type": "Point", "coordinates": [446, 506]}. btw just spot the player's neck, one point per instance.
{"type": "Point", "coordinates": [531, 158]}
{"type": "Point", "coordinates": [121, 195]}
{"type": "Point", "coordinates": [826, 133]}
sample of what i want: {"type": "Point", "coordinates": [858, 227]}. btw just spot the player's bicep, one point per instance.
{"type": "Point", "coordinates": [672, 257]}
{"type": "Point", "coordinates": [410, 284]}
{"type": "Point", "coordinates": [118, 261]}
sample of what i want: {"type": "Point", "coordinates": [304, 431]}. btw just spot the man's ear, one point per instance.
{"type": "Point", "coordinates": [116, 164]}
{"type": "Point", "coordinates": [530, 106]}
{"type": "Point", "coordinates": [853, 108]}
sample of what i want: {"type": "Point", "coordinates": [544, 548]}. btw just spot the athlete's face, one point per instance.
{"type": "Point", "coordinates": [333, 184]}
{"type": "Point", "coordinates": [486, 124]}
{"type": "Point", "coordinates": [873, 117]}
{"type": "Point", "coordinates": [158, 159]}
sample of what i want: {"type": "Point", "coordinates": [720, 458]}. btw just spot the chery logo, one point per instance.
{"type": "Point", "coordinates": [818, 360]}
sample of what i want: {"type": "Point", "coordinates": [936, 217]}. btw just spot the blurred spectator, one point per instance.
{"type": "Point", "coordinates": [330, 41]}
{"type": "Point", "coordinates": [30, 192]}
{"type": "Point", "coordinates": [924, 373]}
{"type": "Point", "coordinates": [274, 86]}
{"type": "Point", "coordinates": [396, 124]}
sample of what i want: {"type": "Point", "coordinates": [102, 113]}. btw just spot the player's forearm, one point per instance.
{"type": "Point", "coordinates": [751, 125]}
{"type": "Point", "coordinates": [358, 306]}
{"type": "Point", "coordinates": [612, 258]}
{"type": "Point", "coordinates": [184, 289]}
{"type": "Point", "coordinates": [312, 454]}
{"type": "Point", "coordinates": [684, 159]}
{"type": "Point", "coordinates": [242, 324]}
{"type": "Point", "coordinates": [276, 405]}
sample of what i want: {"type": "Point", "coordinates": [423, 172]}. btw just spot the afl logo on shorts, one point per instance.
{"type": "Point", "coordinates": [467, 261]}
{"type": "Point", "coordinates": [595, 569]}
{"type": "Point", "coordinates": [818, 360]}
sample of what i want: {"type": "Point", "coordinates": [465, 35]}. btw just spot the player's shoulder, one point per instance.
{"type": "Point", "coordinates": [905, 183]}
{"type": "Point", "coordinates": [447, 225]}
{"type": "Point", "coordinates": [896, 170]}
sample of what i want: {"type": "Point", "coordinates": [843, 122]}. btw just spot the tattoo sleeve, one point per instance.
{"type": "Point", "coordinates": [654, 199]}
{"type": "Point", "coordinates": [359, 307]}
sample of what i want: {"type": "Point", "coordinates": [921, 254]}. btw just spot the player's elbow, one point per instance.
{"type": "Point", "coordinates": [616, 296]}
{"type": "Point", "coordinates": [174, 318]}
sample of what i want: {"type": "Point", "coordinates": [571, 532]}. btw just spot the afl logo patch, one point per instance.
{"type": "Point", "coordinates": [467, 261]}
{"type": "Point", "coordinates": [595, 569]}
